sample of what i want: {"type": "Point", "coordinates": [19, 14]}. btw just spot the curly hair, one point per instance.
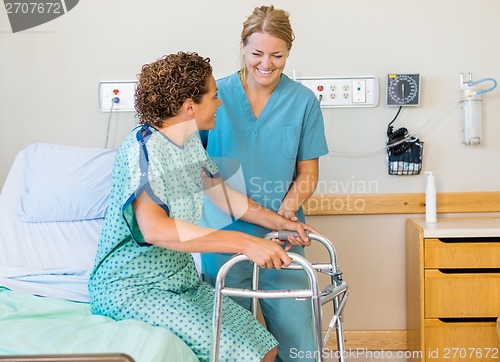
{"type": "Point", "coordinates": [165, 84]}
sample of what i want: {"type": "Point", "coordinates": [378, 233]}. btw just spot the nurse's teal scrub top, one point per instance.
{"type": "Point", "coordinates": [258, 156]}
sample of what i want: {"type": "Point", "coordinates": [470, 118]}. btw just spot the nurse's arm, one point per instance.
{"type": "Point", "coordinates": [302, 188]}
{"type": "Point", "coordinates": [242, 207]}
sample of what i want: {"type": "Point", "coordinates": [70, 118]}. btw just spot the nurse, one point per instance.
{"type": "Point", "coordinates": [267, 141]}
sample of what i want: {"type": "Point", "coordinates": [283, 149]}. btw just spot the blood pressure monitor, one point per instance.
{"type": "Point", "coordinates": [403, 89]}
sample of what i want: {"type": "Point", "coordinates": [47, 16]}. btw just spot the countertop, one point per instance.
{"type": "Point", "coordinates": [460, 227]}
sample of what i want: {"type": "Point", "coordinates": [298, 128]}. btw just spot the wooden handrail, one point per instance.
{"type": "Point", "coordinates": [410, 203]}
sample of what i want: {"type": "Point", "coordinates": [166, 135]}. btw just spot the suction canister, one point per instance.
{"type": "Point", "coordinates": [470, 116]}
{"type": "Point", "coordinates": [470, 109]}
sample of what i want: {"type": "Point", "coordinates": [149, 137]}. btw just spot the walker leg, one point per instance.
{"type": "Point", "coordinates": [217, 323]}
{"type": "Point", "coordinates": [255, 286]}
{"type": "Point", "coordinates": [340, 339]}
{"type": "Point", "coordinates": [318, 327]}
{"type": "Point", "coordinates": [338, 307]}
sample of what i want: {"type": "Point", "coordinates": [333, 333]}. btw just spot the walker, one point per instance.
{"type": "Point", "coordinates": [335, 292]}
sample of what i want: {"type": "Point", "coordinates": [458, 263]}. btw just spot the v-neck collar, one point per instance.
{"type": "Point", "coordinates": [257, 123]}
{"type": "Point", "coordinates": [168, 139]}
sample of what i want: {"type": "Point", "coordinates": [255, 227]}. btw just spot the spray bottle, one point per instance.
{"type": "Point", "coordinates": [430, 199]}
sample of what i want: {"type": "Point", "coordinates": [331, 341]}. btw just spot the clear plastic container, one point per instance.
{"type": "Point", "coordinates": [470, 115]}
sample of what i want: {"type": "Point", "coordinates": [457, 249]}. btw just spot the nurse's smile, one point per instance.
{"type": "Point", "coordinates": [265, 72]}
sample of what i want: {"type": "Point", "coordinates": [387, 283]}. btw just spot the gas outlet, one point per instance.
{"type": "Point", "coordinates": [359, 91]}
{"type": "Point", "coordinates": [117, 96]}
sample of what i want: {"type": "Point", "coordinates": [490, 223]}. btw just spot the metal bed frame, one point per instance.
{"type": "Point", "coordinates": [336, 292]}
{"type": "Point", "coordinates": [98, 357]}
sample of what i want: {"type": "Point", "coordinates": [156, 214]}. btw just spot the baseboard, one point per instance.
{"type": "Point", "coordinates": [387, 340]}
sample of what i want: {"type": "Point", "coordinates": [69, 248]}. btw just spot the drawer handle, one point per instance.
{"type": "Point", "coordinates": [470, 240]}
{"type": "Point", "coordinates": [468, 320]}
{"type": "Point", "coordinates": [470, 270]}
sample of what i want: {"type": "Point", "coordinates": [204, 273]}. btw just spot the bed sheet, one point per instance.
{"type": "Point", "coordinates": [41, 325]}
{"type": "Point", "coordinates": [70, 284]}
{"type": "Point", "coordinates": [46, 245]}
{"type": "Point", "coordinates": [49, 258]}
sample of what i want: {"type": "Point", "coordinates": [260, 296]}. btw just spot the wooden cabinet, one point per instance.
{"type": "Point", "coordinates": [453, 289]}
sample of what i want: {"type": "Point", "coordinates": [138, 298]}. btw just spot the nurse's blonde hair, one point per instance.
{"type": "Point", "coordinates": [267, 20]}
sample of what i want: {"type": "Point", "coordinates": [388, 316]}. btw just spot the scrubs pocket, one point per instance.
{"type": "Point", "coordinates": [289, 144]}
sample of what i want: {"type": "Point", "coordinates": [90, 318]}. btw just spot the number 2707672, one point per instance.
{"type": "Point", "coordinates": [33, 8]}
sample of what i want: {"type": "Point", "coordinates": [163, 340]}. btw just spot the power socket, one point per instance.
{"type": "Point", "coordinates": [124, 91]}
{"type": "Point", "coordinates": [343, 91]}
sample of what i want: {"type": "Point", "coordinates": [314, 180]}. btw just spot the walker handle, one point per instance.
{"type": "Point", "coordinates": [283, 234]}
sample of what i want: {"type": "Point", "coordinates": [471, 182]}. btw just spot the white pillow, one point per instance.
{"type": "Point", "coordinates": [65, 183]}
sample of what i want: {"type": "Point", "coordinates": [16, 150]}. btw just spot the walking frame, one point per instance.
{"type": "Point", "coordinates": [336, 292]}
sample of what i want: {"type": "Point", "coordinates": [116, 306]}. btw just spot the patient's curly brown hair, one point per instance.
{"type": "Point", "coordinates": [165, 84]}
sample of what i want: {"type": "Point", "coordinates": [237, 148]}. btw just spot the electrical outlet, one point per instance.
{"type": "Point", "coordinates": [123, 91]}
{"type": "Point", "coordinates": [343, 91]}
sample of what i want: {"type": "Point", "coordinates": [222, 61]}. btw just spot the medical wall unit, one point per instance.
{"type": "Point", "coordinates": [453, 289]}
{"type": "Point", "coordinates": [116, 96]}
{"type": "Point", "coordinates": [334, 92]}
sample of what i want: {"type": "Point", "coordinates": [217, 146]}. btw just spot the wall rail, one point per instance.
{"type": "Point", "coordinates": [410, 203]}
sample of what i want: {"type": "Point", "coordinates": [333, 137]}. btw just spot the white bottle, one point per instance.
{"type": "Point", "coordinates": [430, 199]}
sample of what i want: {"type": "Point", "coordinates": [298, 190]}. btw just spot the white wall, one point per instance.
{"type": "Point", "coordinates": [49, 77]}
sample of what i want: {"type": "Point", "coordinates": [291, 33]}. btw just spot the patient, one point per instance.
{"type": "Point", "coordinates": [143, 268]}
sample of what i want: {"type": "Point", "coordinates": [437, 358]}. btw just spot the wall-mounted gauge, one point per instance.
{"type": "Point", "coordinates": [403, 89]}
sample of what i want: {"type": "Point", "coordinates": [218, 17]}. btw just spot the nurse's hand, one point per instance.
{"type": "Point", "coordinates": [289, 214]}
{"type": "Point", "coordinates": [300, 228]}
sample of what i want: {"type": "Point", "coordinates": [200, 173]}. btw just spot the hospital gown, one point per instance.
{"type": "Point", "coordinates": [135, 280]}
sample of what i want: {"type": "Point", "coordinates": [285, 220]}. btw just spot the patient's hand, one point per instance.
{"type": "Point", "coordinates": [265, 253]}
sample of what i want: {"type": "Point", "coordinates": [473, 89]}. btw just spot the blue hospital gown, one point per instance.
{"type": "Point", "coordinates": [132, 279]}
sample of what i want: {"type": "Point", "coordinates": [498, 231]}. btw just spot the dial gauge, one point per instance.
{"type": "Point", "coordinates": [403, 89]}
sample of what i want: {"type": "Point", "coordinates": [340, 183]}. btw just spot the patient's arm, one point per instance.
{"type": "Point", "coordinates": [161, 230]}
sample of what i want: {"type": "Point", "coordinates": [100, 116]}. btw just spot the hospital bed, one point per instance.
{"type": "Point", "coordinates": [51, 213]}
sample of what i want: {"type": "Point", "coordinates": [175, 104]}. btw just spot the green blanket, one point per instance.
{"type": "Point", "coordinates": [41, 325]}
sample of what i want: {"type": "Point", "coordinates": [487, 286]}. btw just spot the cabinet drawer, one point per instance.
{"type": "Point", "coordinates": [449, 295]}
{"type": "Point", "coordinates": [462, 253]}
{"type": "Point", "coordinates": [461, 341]}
